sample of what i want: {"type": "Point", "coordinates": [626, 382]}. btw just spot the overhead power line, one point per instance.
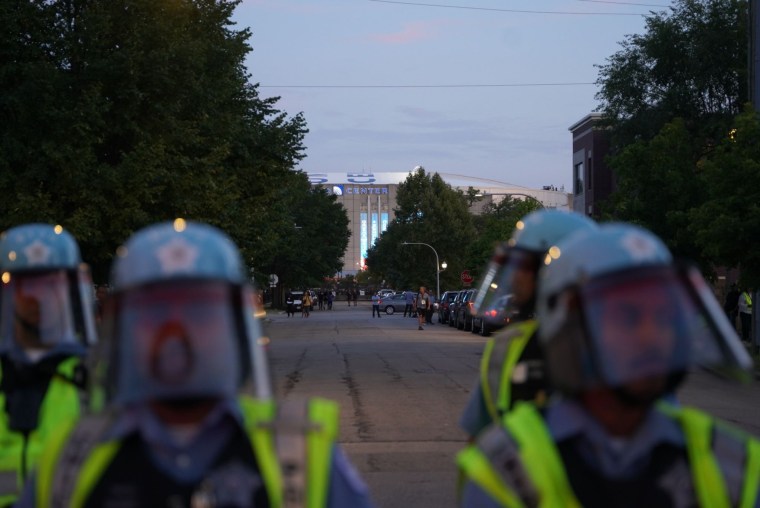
{"type": "Point", "coordinates": [430, 86]}
{"type": "Point", "coordinates": [512, 10]}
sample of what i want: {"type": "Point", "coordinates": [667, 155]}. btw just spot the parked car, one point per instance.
{"type": "Point", "coordinates": [443, 306]}
{"type": "Point", "coordinates": [465, 310]}
{"type": "Point", "coordinates": [454, 305]}
{"type": "Point", "coordinates": [493, 319]}
{"type": "Point", "coordinates": [393, 303]}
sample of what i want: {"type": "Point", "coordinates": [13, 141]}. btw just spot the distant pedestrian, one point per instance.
{"type": "Point", "coordinates": [329, 300]}
{"type": "Point", "coordinates": [376, 301]}
{"type": "Point", "coordinates": [321, 299]}
{"type": "Point", "coordinates": [731, 305]}
{"type": "Point", "coordinates": [289, 307]}
{"type": "Point", "coordinates": [356, 296]}
{"type": "Point", "coordinates": [409, 300]}
{"type": "Point", "coordinates": [745, 314]}
{"type": "Point", "coordinates": [421, 303]}
{"type": "Point", "coordinates": [348, 297]}
{"type": "Point", "coordinates": [306, 304]}
{"type": "Point", "coordinates": [429, 313]}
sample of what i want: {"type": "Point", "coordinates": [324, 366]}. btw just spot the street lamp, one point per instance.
{"type": "Point", "coordinates": [533, 198]}
{"type": "Point", "coordinates": [437, 268]}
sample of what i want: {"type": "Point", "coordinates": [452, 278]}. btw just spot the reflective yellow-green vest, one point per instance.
{"type": "Point", "coordinates": [544, 466]}
{"type": "Point", "coordinates": [19, 453]}
{"type": "Point", "coordinates": [261, 423]}
{"type": "Point", "coordinates": [500, 356]}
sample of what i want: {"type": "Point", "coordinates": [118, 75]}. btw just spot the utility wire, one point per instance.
{"type": "Point", "coordinates": [512, 10]}
{"type": "Point", "coordinates": [428, 86]}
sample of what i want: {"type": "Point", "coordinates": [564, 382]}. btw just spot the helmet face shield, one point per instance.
{"type": "Point", "coordinates": [509, 284]}
{"type": "Point", "coordinates": [647, 324]}
{"type": "Point", "coordinates": [177, 341]}
{"type": "Point", "coordinates": [38, 312]}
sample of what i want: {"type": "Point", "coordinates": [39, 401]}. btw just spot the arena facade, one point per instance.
{"type": "Point", "coordinates": [370, 199]}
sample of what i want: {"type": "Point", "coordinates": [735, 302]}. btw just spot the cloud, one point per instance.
{"type": "Point", "coordinates": [411, 32]}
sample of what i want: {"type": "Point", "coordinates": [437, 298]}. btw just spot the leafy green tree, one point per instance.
{"type": "Point", "coordinates": [690, 63]}
{"type": "Point", "coordinates": [660, 182]}
{"type": "Point", "coordinates": [667, 97]}
{"type": "Point", "coordinates": [727, 224]}
{"type": "Point", "coordinates": [495, 225]}
{"type": "Point", "coordinates": [122, 113]}
{"type": "Point", "coordinates": [428, 211]}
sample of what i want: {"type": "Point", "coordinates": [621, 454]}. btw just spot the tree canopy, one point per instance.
{"type": "Point", "coordinates": [431, 211]}
{"type": "Point", "coordinates": [122, 113]}
{"type": "Point", "coordinates": [669, 98]}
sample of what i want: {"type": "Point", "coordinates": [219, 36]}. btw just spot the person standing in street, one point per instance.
{"type": "Point", "coordinates": [431, 306]}
{"type": "Point", "coordinates": [621, 325]}
{"type": "Point", "coordinates": [47, 326]}
{"type": "Point", "coordinates": [376, 301]}
{"type": "Point", "coordinates": [731, 305]}
{"type": "Point", "coordinates": [409, 303]}
{"type": "Point", "coordinates": [745, 314]}
{"type": "Point", "coordinates": [306, 303]}
{"type": "Point", "coordinates": [191, 420]}
{"type": "Point", "coordinates": [421, 303]}
{"type": "Point", "coordinates": [289, 305]}
{"type": "Point", "coordinates": [356, 296]}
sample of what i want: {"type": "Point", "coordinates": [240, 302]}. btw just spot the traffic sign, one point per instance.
{"type": "Point", "coordinates": [466, 278]}
{"type": "Point", "coordinates": [273, 279]}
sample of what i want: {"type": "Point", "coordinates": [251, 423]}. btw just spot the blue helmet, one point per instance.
{"type": "Point", "coordinates": [509, 280]}
{"type": "Point", "coordinates": [615, 310]}
{"type": "Point", "coordinates": [46, 301]}
{"type": "Point", "coordinates": [181, 317]}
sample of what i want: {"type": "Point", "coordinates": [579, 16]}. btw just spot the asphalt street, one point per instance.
{"type": "Point", "coordinates": [402, 392]}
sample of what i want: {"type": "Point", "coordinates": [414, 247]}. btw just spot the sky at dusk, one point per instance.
{"type": "Point", "coordinates": [484, 88]}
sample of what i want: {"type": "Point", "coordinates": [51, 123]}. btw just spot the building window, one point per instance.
{"type": "Point", "coordinates": [590, 175]}
{"type": "Point", "coordinates": [578, 179]}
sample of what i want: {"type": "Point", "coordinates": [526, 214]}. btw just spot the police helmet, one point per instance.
{"type": "Point", "coordinates": [616, 311]}
{"type": "Point", "coordinates": [46, 300]}
{"type": "Point", "coordinates": [508, 285]}
{"type": "Point", "coordinates": [181, 318]}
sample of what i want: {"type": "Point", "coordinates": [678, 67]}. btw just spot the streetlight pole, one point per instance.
{"type": "Point", "coordinates": [437, 268]}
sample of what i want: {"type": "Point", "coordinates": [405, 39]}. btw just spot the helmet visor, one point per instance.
{"type": "Point", "coordinates": [649, 324]}
{"type": "Point", "coordinates": [37, 311]}
{"type": "Point", "coordinates": [177, 342]}
{"type": "Point", "coordinates": [508, 285]}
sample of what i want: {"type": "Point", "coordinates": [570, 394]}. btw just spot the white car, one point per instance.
{"type": "Point", "coordinates": [384, 293]}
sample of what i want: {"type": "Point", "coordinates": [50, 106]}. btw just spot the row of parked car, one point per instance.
{"type": "Point", "coordinates": [458, 310]}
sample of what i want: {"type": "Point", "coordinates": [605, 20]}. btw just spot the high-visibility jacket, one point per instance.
{"type": "Point", "coordinates": [542, 462]}
{"type": "Point", "coordinates": [19, 451]}
{"type": "Point", "coordinates": [745, 303]}
{"type": "Point", "coordinates": [500, 356]}
{"type": "Point", "coordinates": [300, 435]}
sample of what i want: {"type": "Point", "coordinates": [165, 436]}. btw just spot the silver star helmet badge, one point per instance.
{"type": "Point", "coordinates": [640, 247]}
{"type": "Point", "coordinates": [177, 255]}
{"type": "Point", "coordinates": [37, 253]}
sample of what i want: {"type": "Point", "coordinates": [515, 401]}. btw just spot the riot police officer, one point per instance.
{"type": "Point", "coordinates": [190, 418]}
{"type": "Point", "coordinates": [46, 326]}
{"type": "Point", "coordinates": [512, 367]}
{"type": "Point", "coordinates": [621, 325]}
